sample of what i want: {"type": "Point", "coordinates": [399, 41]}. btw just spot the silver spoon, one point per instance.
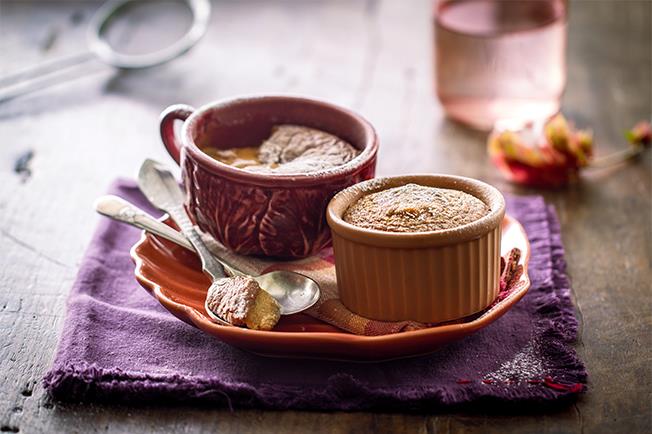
{"type": "Point", "coordinates": [302, 295]}
{"type": "Point", "coordinates": [293, 291]}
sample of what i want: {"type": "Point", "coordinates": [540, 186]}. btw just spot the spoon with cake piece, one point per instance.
{"type": "Point", "coordinates": [235, 299]}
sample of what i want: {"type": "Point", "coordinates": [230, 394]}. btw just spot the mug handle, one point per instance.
{"type": "Point", "coordinates": [173, 113]}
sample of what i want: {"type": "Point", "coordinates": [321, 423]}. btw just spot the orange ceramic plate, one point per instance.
{"type": "Point", "coordinates": [173, 276]}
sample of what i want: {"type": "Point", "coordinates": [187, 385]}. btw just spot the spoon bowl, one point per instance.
{"type": "Point", "coordinates": [294, 292]}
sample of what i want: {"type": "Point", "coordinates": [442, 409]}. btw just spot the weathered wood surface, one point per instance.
{"type": "Point", "coordinates": [374, 56]}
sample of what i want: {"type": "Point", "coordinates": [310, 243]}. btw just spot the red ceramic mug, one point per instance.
{"type": "Point", "coordinates": [255, 213]}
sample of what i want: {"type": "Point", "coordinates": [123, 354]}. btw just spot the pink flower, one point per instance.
{"type": "Point", "coordinates": [640, 135]}
{"type": "Point", "coordinates": [548, 155]}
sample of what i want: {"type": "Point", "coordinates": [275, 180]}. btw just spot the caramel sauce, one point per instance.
{"type": "Point", "coordinates": [236, 157]}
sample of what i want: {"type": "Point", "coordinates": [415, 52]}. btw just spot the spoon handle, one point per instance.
{"type": "Point", "coordinates": [162, 190]}
{"type": "Point", "coordinates": [208, 262]}
{"type": "Point", "coordinates": [119, 209]}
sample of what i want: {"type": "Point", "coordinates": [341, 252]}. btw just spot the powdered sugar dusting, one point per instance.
{"type": "Point", "coordinates": [231, 298]}
{"type": "Point", "coordinates": [526, 365]}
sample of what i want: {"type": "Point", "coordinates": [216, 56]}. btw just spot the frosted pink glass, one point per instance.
{"type": "Point", "coordinates": [499, 60]}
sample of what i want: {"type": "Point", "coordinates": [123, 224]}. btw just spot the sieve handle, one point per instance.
{"type": "Point", "coordinates": [41, 76]}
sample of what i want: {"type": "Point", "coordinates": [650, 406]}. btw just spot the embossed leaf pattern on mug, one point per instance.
{"type": "Point", "coordinates": [256, 220]}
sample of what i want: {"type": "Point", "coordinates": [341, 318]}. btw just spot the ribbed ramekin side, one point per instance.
{"type": "Point", "coordinates": [424, 284]}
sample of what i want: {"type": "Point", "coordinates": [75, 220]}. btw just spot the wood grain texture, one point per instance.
{"type": "Point", "coordinates": [373, 56]}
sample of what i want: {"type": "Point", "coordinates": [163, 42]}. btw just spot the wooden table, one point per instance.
{"type": "Point", "coordinates": [374, 56]}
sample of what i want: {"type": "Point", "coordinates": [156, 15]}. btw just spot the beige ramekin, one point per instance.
{"type": "Point", "coordinates": [423, 276]}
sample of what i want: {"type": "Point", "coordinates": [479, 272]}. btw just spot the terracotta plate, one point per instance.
{"type": "Point", "coordinates": [173, 276]}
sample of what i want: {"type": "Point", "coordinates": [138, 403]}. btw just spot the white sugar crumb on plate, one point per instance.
{"type": "Point", "coordinates": [526, 365]}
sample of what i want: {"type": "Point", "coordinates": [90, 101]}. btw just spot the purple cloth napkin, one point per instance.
{"type": "Point", "coordinates": [119, 345]}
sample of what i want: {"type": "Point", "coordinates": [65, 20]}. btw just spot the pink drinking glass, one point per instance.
{"type": "Point", "coordinates": [500, 59]}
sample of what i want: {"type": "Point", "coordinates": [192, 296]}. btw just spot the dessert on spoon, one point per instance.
{"type": "Point", "coordinates": [236, 299]}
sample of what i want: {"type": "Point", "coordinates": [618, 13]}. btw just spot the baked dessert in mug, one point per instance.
{"type": "Point", "coordinates": [289, 149]}
{"type": "Point", "coordinates": [270, 211]}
